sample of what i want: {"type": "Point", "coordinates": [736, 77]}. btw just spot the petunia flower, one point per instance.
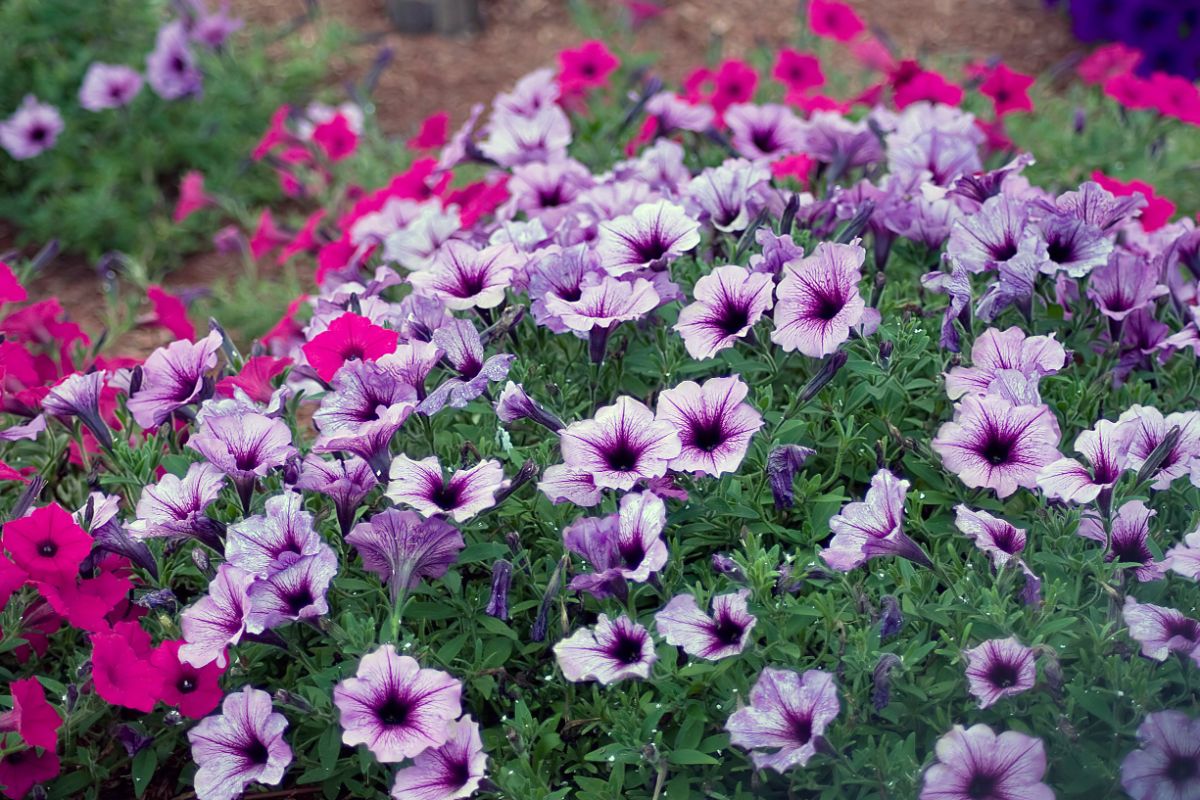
{"type": "Point", "coordinates": [31, 130]}
{"type": "Point", "coordinates": [1104, 447]}
{"type": "Point", "coordinates": [1010, 349]}
{"type": "Point", "coordinates": [1000, 540]}
{"type": "Point", "coordinates": [562, 484]}
{"type": "Point", "coordinates": [349, 337]}
{"type": "Point", "coordinates": [245, 446]}
{"type": "Point", "coordinates": [85, 603]}
{"type": "Point", "coordinates": [765, 131]}
{"type": "Point", "coordinates": [194, 691]}
{"type": "Point", "coordinates": [562, 275]}
{"type": "Point", "coordinates": [344, 481]}
{"type": "Point", "coordinates": [728, 196]}
{"type": "Point", "coordinates": [121, 668]}
{"type": "Point", "coordinates": [713, 423]}
{"type": "Point", "coordinates": [833, 20]}
{"type": "Point", "coordinates": [423, 486]}
{"type": "Point", "coordinates": [464, 277]}
{"type": "Point", "coordinates": [1125, 284]}
{"type": "Point", "coordinates": [990, 237]}
{"type": "Point", "coordinates": [264, 544]}
{"type": "Point", "coordinates": [993, 444]}
{"type": "Point", "coordinates": [402, 549]}
{"type": "Point", "coordinates": [171, 66]}
{"type": "Point", "coordinates": [723, 634]}
{"type": "Point", "coordinates": [798, 71]}
{"type": "Point", "coordinates": [174, 507]}
{"type": "Point", "coordinates": [1162, 631]}
{"type": "Point", "coordinates": [451, 771]}
{"type": "Point", "coordinates": [832, 139]}
{"type": "Point", "coordinates": [296, 591]}
{"type": "Point", "coordinates": [626, 546]}
{"type": "Point", "coordinates": [363, 413]}
{"type": "Point", "coordinates": [727, 304]}
{"type": "Point", "coordinates": [463, 350]}
{"type": "Point", "coordinates": [34, 720]}
{"type": "Point", "coordinates": [873, 527]}
{"type": "Point", "coordinates": [603, 306]}
{"type": "Point", "coordinates": [1007, 89]}
{"type": "Point", "coordinates": [975, 763]}
{"type": "Point", "coordinates": [787, 716]}
{"type": "Point", "coordinates": [242, 745]}
{"type": "Point", "coordinates": [396, 708]}
{"type": "Point", "coordinates": [1184, 557]}
{"type": "Point", "coordinates": [212, 28]}
{"type": "Point", "coordinates": [613, 650]}
{"type": "Point", "coordinates": [1073, 246]}
{"type": "Point", "coordinates": [652, 235]}
{"type": "Point", "coordinates": [783, 463]}
{"type": "Point", "coordinates": [586, 67]}
{"type": "Point", "coordinates": [20, 771]}
{"type": "Point", "coordinates": [1166, 764]}
{"type": "Point", "coordinates": [47, 545]}
{"type": "Point", "coordinates": [218, 619]}
{"type": "Point", "coordinates": [515, 404]}
{"type": "Point", "coordinates": [621, 444]}
{"type": "Point", "coordinates": [1000, 668]}
{"type": "Point", "coordinates": [78, 395]}
{"type": "Point", "coordinates": [817, 302]}
{"type": "Point", "coordinates": [515, 139]}
{"type": "Point", "coordinates": [1149, 429]}
{"type": "Point", "coordinates": [173, 377]}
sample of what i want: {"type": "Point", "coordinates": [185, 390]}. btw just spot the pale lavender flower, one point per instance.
{"type": "Point", "coordinates": [1184, 557]}
{"type": "Point", "coordinates": [777, 251]}
{"type": "Point", "coordinates": [1073, 246]}
{"type": "Point", "coordinates": [109, 86]}
{"type": "Point", "coordinates": [423, 486]}
{"type": "Point", "coordinates": [514, 404]}
{"type": "Point", "coordinates": [174, 507]}
{"type": "Point", "coordinates": [414, 245]}
{"type": "Point", "coordinates": [545, 190]}
{"type": "Point", "coordinates": [713, 422]}
{"type": "Point", "coordinates": [611, 651]}
{"type": "Point", "coordinates": [932, 156]}
{"type": "Point", "coordinates": [1127, 539]}
{"type": "Point", "coordinates": [363, 413]}
{"type": "Point", "coordinates": [561, 484]}
{"type": "Point", "coordinates": [787, 716]}
{"type": "Point", "coordinates": [990, 237]}
{"type": "Point", "coordinates": [832, 139]}
{"type": "Point", "coordinates": [723, 634]}
{"type": "Point", "coordinates": [515, 139]}
{"type": "Point", "coordinates": [396, 708]}
{"type": "Point", "coordinates": [605, 304]}
{"type": "Point", "coordinates": [1162, 631]}
{"type": "Point", "coordinates": [727, 303]}
{"type": "Point", "coordinates": [1149, 429]}
{"type": "Point", "coordinates": [976, 764]}
{"type": "Point", "coordinates": [956, 285]}
{"type": "Point", "coordinates": [263, 544]}
{"type": "Point", "coordinates": [765, 131]}
{"type": "Point", "coordinates": [873, 527]}
{"type": "Point", "coordinates": [345, 481]}
{"type": "Point", "coordinates": [999, 539]}
{"type": "Point", "coordinates": [293, 593]}
{"type": "Point", "coordinates": [402, 549]}
{"type": "Point", "coordinates": [463, 350]}
{"type": "Point", "coordinates": [652, 235]}
{"type": "Point", "coordinates": [727, 197]}
{"type": "Point", "coordinates": [621, 444]}
{"type": "Point", "coordinates": [242, 745]}
{"type": "Point", "coordinates": [1126, 283]}
{"type": "Point", "coordinates": [217, 620]}
{"type": "Point", "coordinates": [31, 130]}
{"type": "Point", "coordinates": [621, 547]}
{"type": "Point", "coordinates": [451, 771]}
{"type": "Point", "coordinates": [817, 302]}
{"type": "Point", "coordinates": [1166, 765]}
{"type": "Point", "coordinates": [997, 350]}
{"type": "Point", "coordinates": [1094, 205]}
{"type": "Point", "coordinates": [171, 67]}
{"type": "Point", "coordinates": [1014, 285]}
{"type": "Point", "coordinates": [1000, 668]}
{"type": "Point", "coordinates": [1104, 447]}
{"type": "Point", "coordinates": [676, 114]}
{"type": "Point", "coordinates": [464, 277]}
{"type": "Point", "coordinates": [533, 92]}
{"type": "Point", "coordinates": [173, 377]}
{"type": "Point", "coordinates": [562, 275]}
{"type": "Point", "coordinates": [212, 28]}
{"type": "Point", "coordinates": [245, 446]}
{"type": "Point", "coordinates": [78, 395]}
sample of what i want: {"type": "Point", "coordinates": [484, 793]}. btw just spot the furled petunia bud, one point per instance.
{"type": "Point", "coordinates": [828, 370]}
{"type": "Point", "coordinates": [782, 465]}
{"type": "Point", "coordinates": [881, 692]}
{"type": "Point", "coordinates": [722, 564]}
{"type": "Point", "coordinates": [890, 618]}
{"type": "Point", "coordinates": [501, 581]}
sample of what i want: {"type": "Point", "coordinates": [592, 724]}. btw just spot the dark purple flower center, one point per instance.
{"type": "Point", "coordinates": [764, 140]}
{"type": "Point", "coordinates": [1131, 549]}
{"type": "Point", "coordinates": [1181, 769]}
{"type": "Point", "coordinates": [469, 368]}
{"type": "Point", "coordinates": [622, 456]}
{"type": "Point", "coordinates": [732, 318]}
{"type": "Point", "coordinates": [256, 752]}
{"type": "Point", "coordinates": [651, 248]}
{"type": "Point", "coordinates": [38, 134]}
{"type": "Point", "coordinates": [627, 649]}
{"type": "Point", "coordinates": [114, 91]}
{"type": "Point", "coordinates": [551, 197]}
{"type": "Point", "coordinates": [1182, 627]}
{"type": "Point", "coordinates": [247, 460]}
{"type": "Point", "coordinates": [458, 772]}
{"type": "Point", "coordinates": [1061, 250]}
{"type": "Point", "coordinates": [707, 434]}
{"type": "Point", "coordinates": [996, 449]}
{"type": "Point", "coordinates": [178, 64]}
{"type": "Point", "coordinates": [632, 553]}
{"type": "Point", "coordinates": [186, 684]}
{"type": "Point", "coordinates": [1004, 250]}
{"type": "Point", "coordinates": [446, 495]}
{"type": "Point", "coordinates": [802, 728]}
{"type": "Point", "coordinates": [982, 785]}
{"type": "Point", "coordinates": [827, 306]}
{"type": "Point", "coordinates": [48, 548]}
{"type": "Point", "coordinates": [1003, 674]}
{"type": "Point", "coordinates": [394, 711]}
{"type": "Point", "coordinates": [727, 630]}
{"type": "Point", "coordinates": [470, 284]}
{"type": "Point", "coordinates": [1006, 539]}
{"type": "Point", "coordinates": [299, 599]}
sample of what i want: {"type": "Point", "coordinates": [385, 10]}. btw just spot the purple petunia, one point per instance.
{"type": "Point", "coordinates": [402, 549]}
{"type": "Point", "coordinates": [423, 486]}
{"type": "Point", "coordinates": [242, 745]}
{"type": "Point", "coordinates": [363, 413]}
{"type": "Point", "coordinates": [463, 277]}
{"type": "Point", "coordinates": [1104, 447]}
{"type": "Point", "coordinates": [723, 634]}
{"type": "Point", "coordinates": [727, 304]}
{"type": "Point", "coordinates": [787, 716]}
{"type": "Point", "coordinates": [263, 544]}
{"type": "Point", "coordinates": [1162, 631]}
{"type": "Point", "coordinates": [396, 708]}
{"type": "Point", "coordinates": [294, 592]}
{"type": "Point", "coordinates": [652, 235]}
{"type": "Point", "coordinates": [463, 350]}
{"type": "Point", "coordinates": [620, 445]}
{"type": "Point", "coordinates": [561, 484]}
{"type": "Point", "coordinates": [611, 651]}
{"type": "Point", "coordinates": [713, 423]}
{"type": "Point", "coordinates": [78, 396]}
{"type": "Point", "coordinates": [1127, 539]}
{"type": "Point", "coordinates": [626, 546]}
{"type": "Point", "coordinates": [873, 527]}
{"type": "Point", "coordinates": [1000, 540]}
{"type": "Point", "coordinates": [990, 237]}
{"type": "Point", "coordinates": [1000, 668]}
{"type": "Point", "coordinates": [1125, 284]}
{"type": "Point", "coordinates": [976, 764]}
{"type": "Point", "coordinates": [1166, 765]}
{"type": "Point", "coordinates": [998, 350]}
{"type": "Point", "coordinates": [1149, 429]}
{"type": "Point", "coordinates": [31, 130]}
{"type": "Point", "coordinates": [817, 302]}
{"type": "Point", "coordinates": [728, 196]}
{"type": "Point", "coordinates": [217, 620]}
{"type": "Point", "coordinates": [602, 306]}
{"type": "Point", "coordinates": [1184, 558]}
{"type": "Point", "coordinates": [245, 446]}
{"type": "Point", "coordinates": [108, 86]}
{"type": "Point", "coordinates": [345, 481]}
{"type": "Point", "coordinates": [450, 771]}
{"type": "Point", "coordinates": [996, 445]}
{"type": "Point", "coordinates": [515, 404]}
{"type": "Point", "coordinates": [765, 131]}
{"type": "Point", "coordinates": [173, 377]}
{"type": "Point", "coordinates": [174, 507]}
{"type": "Point", "coordinates": [171, 67]}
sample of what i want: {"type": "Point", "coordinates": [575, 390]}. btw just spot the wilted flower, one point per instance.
{"type": "Point", "coordinates": [396, 708]}
{"type": "Point", "coordinates": [31, 130]}
{"type": "Point", "coordinates": [452, 770]}
{"type": "Point", "coordinates": [873, 527]}
{"type": "Point", "coordinates": [682, 623]}
{"type": "Point", "coordinates": [818, 300]}
{"type": "Point", "coordinates": [1000, 668]}
{"type": "Point", "coordinates": [627, 546]}
{"type": "Point", "coordinates": [620, 445]}
{"type": "Point", "coordinates": [422, 486]}
{"type": "Point", "coordinates": [652, 235]}
{"type": "Point", "coordinates": [713, 423]}
{"type": "Point", "coordinates": [613, 650]}
{"type": "Point", "coordinates": [727, 304]}
{"type": "Point", "coordinates": [402, 549]}
{"type": "Point", "coordinates": [975, 763]}
{"type": "Point", "coordinates": [242, 745]}
{"type": "Point", "coordinates": [782, 465]}
{"type": "Point", "coordinates": [497, 605]}
{"type": "Point", "coordinates": [463, 349]}
{"type": "Point", "coordinates": [786, 718]}
{"type": "Point", "coordinates": [1162, 631]}
{"type": "Point", "coordinates": [1167, 761]}
{"type": "Point", "coordinates": [109, 86]}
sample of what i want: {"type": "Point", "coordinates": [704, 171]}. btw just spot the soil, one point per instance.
{"type": "Point", "coordinates": [431, 73]}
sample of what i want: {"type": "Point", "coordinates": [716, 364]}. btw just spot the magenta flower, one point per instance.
{"type": "Point", "coordinates": [217, 620]}
{"type": "Point", "coordinates": [344, 481]}
{"type": "Point", "coordinates": [396, 708]}
{"type": "Point", "coordinates": [1149, 428]}
{"type": "Point", "coordinates": [173, 377]}
{"type": "Point", "coordinates": [998, 350]}
{"type": "Point", "coordinates": [174, 508]}
{"type": "Point", "coordinates": [729, 196]}
{"type": "Point", "coordinates": [402, 549]}
{"type": "Point", "coordinates": [788, 714]}
{"type": "Point", "coordinates": [976, 764]}
{"type": "Point", "coordinates": [514, 404]}
{"type": "Point", "coordinates": [450, 771]}
{"type": "Point", "coordinates": [293, 593]}
{"type": "Point", "coordinates": [109, 86]}
{"type": "Point", "coordinates": [171, 67]}
{"type": "Point", "coordinates": [1000, 668]}
{"type": "Point", "coordinates": [999, 446]}
{"type": "Point", "coordinates": [1162, 631]}
{"type": "Point", "coordinates": [245, 446]}
{"type": "Point", "coordinates": [622, 444]}
{"type": "Point", "coordinates": [627, 546]}
{"type": "Point", "coordinates": [682, 623]}
{"type": "Point", "coordinates": [613, 650]}
{"type": "Point", "coordinates": [1184, 557]}
{"type": "Point", "coordinates": [363, 413]}
{"type": "Point", "coordinates": [765, 131]}
{"type": "Point", "coordinates": [727, 303]}
{"type": "Point", "coordinates": [1126, 283]}
{"type": "Point", "coordinates": [31, 130]}
{"type": "Point", "coordinates": [713, 424]}
{"type": "Point", "coordinates": [264, 544]}
{"type": "Point", "coordinates": [992, 236]}
{"type": "Point", "coordinates": [422, 486]}
{"type": "Point", "coordinates": [463, 350]}
{"type": "Point", "coordinates": [1000, 540]}
{"type": "Point", "coordinates": [817, 302]}
{"type": "Point", "coordinates": [242, 745]}
{"type": "Point", "coordinates": [1104, 447]}
{"type": "Point", "coordinates": [463, 277]}
{"type": "Point", "coordinates": [1127, 540]}
{"type": "Point", "coordinates": [873, 527]}
{"type": "Point", "coordinates": [652, 235]}
{"type": "Point", "coordinates": [1166, 765]}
